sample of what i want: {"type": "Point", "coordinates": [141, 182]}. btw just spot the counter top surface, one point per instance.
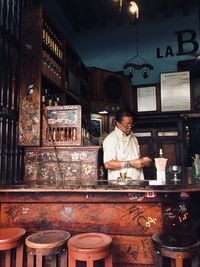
{"type": "Point", "coordinates": [103, 186]}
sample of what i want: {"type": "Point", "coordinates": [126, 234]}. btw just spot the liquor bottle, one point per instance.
{"type": "Point", "coordinates": [69, 134]}
{"type": "Point", "coordinates": [43, 100]}
{"type": "Point", "coordinates": [44, 33]}
{"type": "Point", "coordinates": [44, 96]}
{"type": "Point", "coordinates": [66, 133]}
{"type": "Point", "coordinates": [160, 153]}
{"type": "Point", "coordinates": [74, 134]}
{"type": "Point", "coordinates": [57, 101]}
{"type": "Point", "coordinates": [58, 134]}
{"type": "Point", "coordinates": [62, 134]}
{"type": "Point", "coordinates": [54, 134]}
{"type": "Point", "coordinates": [47, 36]}
{"type": "Point", "coordinates": [49, 134]}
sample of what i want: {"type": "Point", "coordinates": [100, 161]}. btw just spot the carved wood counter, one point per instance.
{"type": "Point", "coordinates": [130, 214]}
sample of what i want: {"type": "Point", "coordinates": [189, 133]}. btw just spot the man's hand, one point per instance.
{"type": "Point", "coordinates": [140, 163]}
{"type": "Point", "coordinates": [146, 161]}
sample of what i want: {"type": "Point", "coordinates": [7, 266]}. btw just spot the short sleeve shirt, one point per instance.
{"type": "Point", "coordinates": [118, 146]}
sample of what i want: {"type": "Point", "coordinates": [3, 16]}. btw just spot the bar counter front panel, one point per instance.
{"type": "Point", "coordinates": [129, 214]}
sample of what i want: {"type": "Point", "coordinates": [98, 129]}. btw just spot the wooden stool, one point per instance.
{"type": "Point", "coordinates": [175, 252]}
{"type": "Point", "coordinates": [47, 243]}
{"type": "Point", "coordinates": [89, 247]}
{"type": "Point", "coordinates": [12, 237]}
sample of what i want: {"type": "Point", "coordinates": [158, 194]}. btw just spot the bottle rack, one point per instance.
{"type": "Point", "coordinates": [51, 69]}
{"type": "Point", "coordinates": [62, 126]}
{"type": "Point", "coordinates": [51, 41]}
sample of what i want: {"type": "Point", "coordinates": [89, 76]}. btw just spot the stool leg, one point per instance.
{"type": "Point", "coordinates": [179, 260]}
{"type": "Point", "coordinates": [195, 261]}
{"type": "Point", "coordinates": [63, 259]}
{"type": "Point", "coordinates": [108, 261]}
{"type": "Point", "coordinates": [53, 261]}
{"type": "Point", "coordinates": [8, 258]}
{"type": "Point", "coordinates": [173, 262]}
{"type": "Point", "coordinates": [90, 262]}
{"type": "Point", "coordinates": [19, 255]}
{"type": "Point", "coordinates": [158, 259]}
{"type": "Point", "coordinates": [71, 261]}
{"type": "Point", "coordinates": [30, 260]}
{"type": "Point", "coordinates": [38, 260]}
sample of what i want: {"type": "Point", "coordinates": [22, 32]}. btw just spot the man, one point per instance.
{"type": "Point", "coordinates": [121, 149]}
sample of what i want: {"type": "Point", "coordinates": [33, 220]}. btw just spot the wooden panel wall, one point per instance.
{"type": "Point", "coordinates": [98, 78]}
{"type": "Point", "coordinates": [10, 155]}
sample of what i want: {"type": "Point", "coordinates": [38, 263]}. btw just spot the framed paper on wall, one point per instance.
{"type": "Point", "coordinates": [146, 98]}
{"type": "Point", "coordinates": [175, 91]}
{"type": "Point", "coordinates": [111, 123]}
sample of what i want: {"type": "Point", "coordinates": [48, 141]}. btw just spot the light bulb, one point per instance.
{"type": "Point", "coordinates": [145, 73]}
{"type": "Point", "coordinates": [133, 9]}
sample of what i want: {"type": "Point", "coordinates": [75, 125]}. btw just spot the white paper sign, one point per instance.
{"type": "Point", "coordinates": [146, 98]}
{"type": "Point", "coordinates": [175, 91]}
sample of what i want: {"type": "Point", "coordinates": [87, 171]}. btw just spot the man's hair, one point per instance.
{"type": "Point", "coordinates": [123, 113]}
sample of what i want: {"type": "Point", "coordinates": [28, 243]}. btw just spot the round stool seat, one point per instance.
{"type": "Point", "coordinates": [89, 242]}
{"type": "Point", "coordinates": [176, 248]}
{"type": "Point", "coordinates": [12, 238]}
{"type": "Point", "coordinates": [47, 239]}
{"type": "Point", "coordinates": [174, 243]}
{"type": "Point", "coordinates": [90, 247]}
{"type": "Point", "coordinates": [11, 234]}
{"type": "Point", "coordinates": [47, 243]}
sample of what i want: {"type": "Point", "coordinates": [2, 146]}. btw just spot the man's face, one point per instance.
{"type": "Point", "coordinates": [125, 125]}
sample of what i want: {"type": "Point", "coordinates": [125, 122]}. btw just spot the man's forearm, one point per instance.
{"type": "Point", "coordinates": [120, 164]}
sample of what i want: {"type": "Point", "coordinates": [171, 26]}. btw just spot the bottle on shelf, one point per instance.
{"type": "Point", "coordinates": [56, 101]}
{"type": "Point", "coordinates": [54, 134]}
{"type": "Point", "coordinates": [74, 134]}
{"type": "Point", "coordinates": [62, 134]}
{"type": "Point", "coordinates": [57, 134]}
{"type": "Point", "coordinates": [160, 153]}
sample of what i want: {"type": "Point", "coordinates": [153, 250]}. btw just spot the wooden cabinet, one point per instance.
{"type": "Point", "coordinates": [63, 166]}
{"type": "Point", "coordinates": [51, 74]}
{"type": "Point", "coordinates": [166, 132]}
{"type": "Point", "coordinates": [42, 69]}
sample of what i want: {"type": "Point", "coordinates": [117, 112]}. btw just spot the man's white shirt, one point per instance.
{"type": "Point", "coordinates": [118, 146]}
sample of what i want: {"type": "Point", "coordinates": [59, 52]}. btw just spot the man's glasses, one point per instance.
{"type": "Point", "coordinates": [127, 126]}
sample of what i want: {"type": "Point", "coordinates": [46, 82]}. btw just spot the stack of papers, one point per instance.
{"type": "Point", "coordinates": [155, 182]}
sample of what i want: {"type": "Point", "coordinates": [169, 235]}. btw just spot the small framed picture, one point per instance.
{"type": "Point", "coordinates": [111, 123]}
{"type": "Point", "coordinates": [146, 98]}
{"type": "Point", "coordinates": [96, 127]}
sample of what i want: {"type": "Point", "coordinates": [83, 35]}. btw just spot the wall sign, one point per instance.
{"type": "Point", "coordinates": [175, 91]}
{"type": "Point", "coordinates": [146, 98]}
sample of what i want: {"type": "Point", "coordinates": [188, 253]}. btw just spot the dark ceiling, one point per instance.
{"type": "Point", "coordinates": [99, 13]}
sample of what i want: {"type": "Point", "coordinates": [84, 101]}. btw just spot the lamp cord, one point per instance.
{"type": "Point", "coordinates": [137, 47]}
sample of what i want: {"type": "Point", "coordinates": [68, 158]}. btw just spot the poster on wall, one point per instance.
{"type": "Point", "coordinates": [175, 91]}
{"type": "Point", "coordinates": [146, 98]}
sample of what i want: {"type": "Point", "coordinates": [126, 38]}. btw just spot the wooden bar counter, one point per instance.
{"type": "Point", "coordinates": [130, 214]}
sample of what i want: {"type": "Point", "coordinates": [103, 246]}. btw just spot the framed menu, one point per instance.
{"type": "Point", "coordinates": [146, 98]}
{"type": "Point", "coordinates": [175, 91]}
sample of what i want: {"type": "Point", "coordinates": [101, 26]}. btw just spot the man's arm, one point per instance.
{"type": "Point", "coordinates": [135, 163]}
